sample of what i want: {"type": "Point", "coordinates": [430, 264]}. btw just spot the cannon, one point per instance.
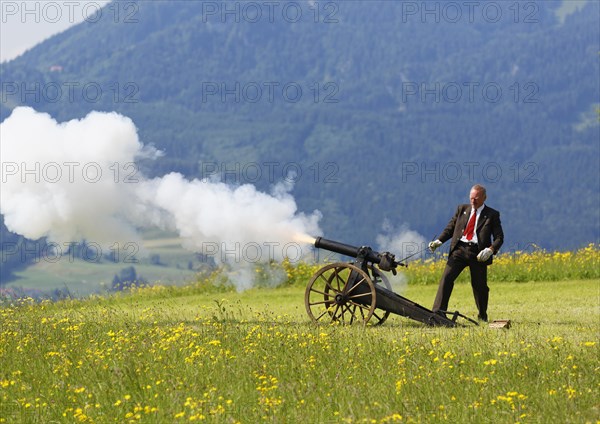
{"type": "Point", "coordinates": [360, 292]}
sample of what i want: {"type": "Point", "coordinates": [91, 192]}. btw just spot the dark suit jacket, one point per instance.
{"type": "Point", "coordinates": [489, 229]}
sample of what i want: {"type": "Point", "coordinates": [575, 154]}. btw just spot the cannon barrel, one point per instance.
{"type": "Point", "coordinates": [337, 247]}
{"type": "Point", "coordinates": [355, 252]}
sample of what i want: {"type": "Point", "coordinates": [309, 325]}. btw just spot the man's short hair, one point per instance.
{"type": "Point", "coordinates": [479, 188]}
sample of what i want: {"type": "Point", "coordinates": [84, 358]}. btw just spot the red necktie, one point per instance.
{"type": "Point", "coordinates": [470, 226]}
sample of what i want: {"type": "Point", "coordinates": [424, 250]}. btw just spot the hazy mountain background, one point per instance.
{"type": "Point", "coordinates": [387, 111]}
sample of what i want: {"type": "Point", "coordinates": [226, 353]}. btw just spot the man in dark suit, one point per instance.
{"type": "Point", "coordinates": [477, 235]}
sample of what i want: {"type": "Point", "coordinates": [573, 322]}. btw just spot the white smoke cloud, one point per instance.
{"type": "Point", "coordinates": [77, 180]}
{"type": "Point", "coordinates": [404, 243]}
{"type": "Point", "coordinates": [205, 213]}
{"type": "Point", "coordinates": [57, 179]}
{"type": "Point", "coordinates": [401, 241]}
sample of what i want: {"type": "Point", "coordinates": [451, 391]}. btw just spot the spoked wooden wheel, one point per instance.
{"type": "Point", "coordinates": [340, 292]}
{"type": "Point", "coordinates": [380, 315]}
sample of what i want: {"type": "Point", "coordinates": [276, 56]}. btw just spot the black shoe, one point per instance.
{"type": "Point", "coordinates": [482, 318]}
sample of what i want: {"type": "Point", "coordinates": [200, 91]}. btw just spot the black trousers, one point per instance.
{"type": "Point", "coordinates": [463, 256]}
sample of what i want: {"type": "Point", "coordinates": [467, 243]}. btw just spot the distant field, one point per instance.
{"type": "Point", "coordinates": [198, 353]}
{"type": "Point", "coordinates": [83, 277]}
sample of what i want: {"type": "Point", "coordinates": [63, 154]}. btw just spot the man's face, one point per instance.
{"type": "Point", "coordinates": [477, 198]}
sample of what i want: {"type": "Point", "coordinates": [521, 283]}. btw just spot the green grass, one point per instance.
{"type": "Point", "coordinates": [185, 354]}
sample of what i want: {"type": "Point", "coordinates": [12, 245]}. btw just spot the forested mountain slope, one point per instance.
{"type": "Point", "coordinates": [385, 111]}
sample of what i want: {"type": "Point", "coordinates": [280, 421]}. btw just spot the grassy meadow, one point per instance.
{"type": "Point", "coordinates": [207, 353]}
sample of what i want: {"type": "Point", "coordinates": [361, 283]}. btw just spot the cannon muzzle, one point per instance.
{"type": "Point", "coordinates": [385, 260]}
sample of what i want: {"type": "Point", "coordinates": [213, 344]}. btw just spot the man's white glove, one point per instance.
{"type": "Point", "coordinates": [485, 254]}
{"type": "Point", "coordinates": [434, 245]}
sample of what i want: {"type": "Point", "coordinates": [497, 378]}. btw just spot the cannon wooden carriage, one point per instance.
{"type": "Point", "coordinates": [359, 292]}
